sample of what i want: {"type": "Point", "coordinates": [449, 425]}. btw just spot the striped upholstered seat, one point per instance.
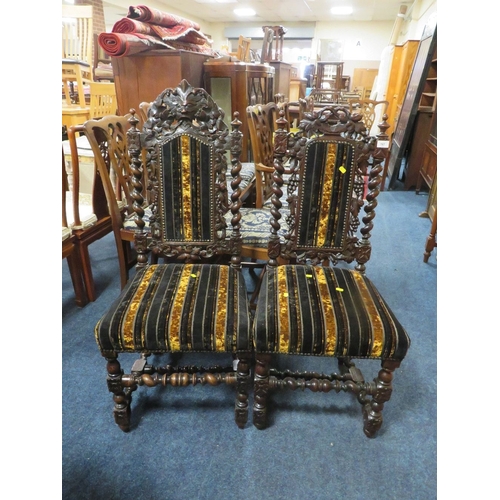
{"type": "Point", "coordinates": [177, 308]}
{"type": "Point", "coordinates": [327, 312]}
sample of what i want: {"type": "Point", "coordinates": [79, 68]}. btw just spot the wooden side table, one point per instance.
{"type": "Point", "coordinates": [236, 85]}
{"type": "Point", "coordinates": [73, 115]}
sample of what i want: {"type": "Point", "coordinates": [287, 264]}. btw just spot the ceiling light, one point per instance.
{"type": "Point", "coordinates": [341, 11]}
{"type": "Point", "coordinates": [244, 12]}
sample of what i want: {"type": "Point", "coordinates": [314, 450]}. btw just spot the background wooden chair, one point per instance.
{"type": "Point", "coordinates": [243, 50]}
{"type": "Point", "coordinates": [69, 248]}
{"type": "Point", "coordinates": [107, 138]}
{"type": "Point", "coordinates": [101, 63]}
{"type": "Point", "coordinates": [206, 302]}
{"type": "Point", "coordinates": [102, 99]}
{"type": "Point", "coordinates": [96, 222]}
{"type": "Point", "coordinates": [373, 113]}
{"type": "Point", "coordinates": [371, 110]}
{"type": "Point", "coordinates": [103, 102]}
{"type": "Point", "coordinates": [77, 39]}
{"type": "Point", "coordinates": [260, 119]}
{"type": "Point", "coordinates": [305, 309]}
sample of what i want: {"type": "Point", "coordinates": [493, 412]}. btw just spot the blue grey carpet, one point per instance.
{"type": "Point", "coordinates": [184, 443]}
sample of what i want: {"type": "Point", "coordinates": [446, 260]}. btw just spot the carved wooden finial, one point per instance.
{"type": "Point", "coordinates": [236, 122]}
{"type": "Point", "coordinates": [133, 120]}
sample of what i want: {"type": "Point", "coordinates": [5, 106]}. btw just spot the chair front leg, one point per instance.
{"type": "Point", "coordinates": [242, 388]}
{"type": "Point", "coordinates": [261, 390]}
{"type": "Point", "coordinates": [121, 396]}
{"type": "Point", "coordinates": [372, 411]}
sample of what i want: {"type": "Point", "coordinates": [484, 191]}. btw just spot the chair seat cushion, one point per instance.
{"type": "Point", "coordinates": [66, 233]}
{"type": "Point", "coordinates": [324, 311]}
{"type": "Point", "coordinates": [247, 174]}
{"type": "Point", "coordinates": [87, 217]}
{"type": "Point", "coordinates": [179, 308]}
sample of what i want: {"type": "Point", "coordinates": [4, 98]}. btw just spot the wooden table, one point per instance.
{"type": "Point", "coordinates": [74, 115]}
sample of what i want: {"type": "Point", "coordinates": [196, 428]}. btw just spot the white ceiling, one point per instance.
{"type": "Point", "coordinates": [276, 11]}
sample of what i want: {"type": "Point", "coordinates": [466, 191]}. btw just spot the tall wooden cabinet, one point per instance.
{"type": "Point", "coordinates": [402, 64]}
{"type": "Point", "coordinates": [409, 115]}
{"type": "Point", "coordinates": [420, 166]}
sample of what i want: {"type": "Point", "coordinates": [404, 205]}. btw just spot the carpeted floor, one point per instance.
{"type": "Point", "coordinates": [184, 443]}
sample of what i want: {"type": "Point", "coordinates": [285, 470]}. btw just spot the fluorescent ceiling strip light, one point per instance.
{"type": "Point", "coordinates": [341, 11]}
{"type": "Point", "coordinates": [244, 12]}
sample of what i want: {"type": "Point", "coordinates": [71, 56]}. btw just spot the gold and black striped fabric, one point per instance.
{"type": "Point", "coordinates": [179, 308]}
{"type": "Point", "coordinates": [187, 185]}
{"type": "Point", "coordinates": [327, 182]}
{"type": "Point", "coordinates": [324, 311]}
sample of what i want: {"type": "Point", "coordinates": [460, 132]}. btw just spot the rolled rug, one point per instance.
{"type": "Point", "coordinates": [154, 16]}
{"type": "Point", "coordinates": [127, 25]}
{"type": "Point", "coordinates": [174, 32]}
{"type": "Point", "coordinates": [181, 32]}
{"type": "Point", "coordinates": [126, 44]}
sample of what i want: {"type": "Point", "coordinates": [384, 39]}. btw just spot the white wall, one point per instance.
{"type": "Point", "coordinates": [413, 27]}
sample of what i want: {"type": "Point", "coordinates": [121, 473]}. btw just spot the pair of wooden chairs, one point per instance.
{"type": "Point", "coordinates": [196, 300]}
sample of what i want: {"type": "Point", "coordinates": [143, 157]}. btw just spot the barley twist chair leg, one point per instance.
{"type": "Point", "coordinates": [372, 410]}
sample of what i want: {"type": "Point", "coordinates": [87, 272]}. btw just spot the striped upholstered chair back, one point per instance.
{"type": "Point", "coordinates": [328, 162]}
{"type": "Point", "coordinates": [186, 140]}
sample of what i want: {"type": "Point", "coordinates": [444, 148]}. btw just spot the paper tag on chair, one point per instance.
{"type": "Point", "coordinates": [382, 144]}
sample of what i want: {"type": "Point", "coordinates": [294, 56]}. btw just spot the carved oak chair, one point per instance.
{"type": "Point", "coordinates": [197, 302]}
{"type": "Point", "coordinates": [329, 310]}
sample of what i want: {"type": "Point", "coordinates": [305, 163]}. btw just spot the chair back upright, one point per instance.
{"type": "Point", "coordinates": [77, 40]}
{"type": "Point", "coordinates": [185, 140]}
{"type": "Point", "coordinates": [328, 159]}
{"type": "Point", "coordinates": [69, 248]}
{"type": "Point", "coordinates": [102, 67]}
{"type": "Point", "coordinates": [108, 138]}
{"type": "Point", "coordinates": [261, 118]}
